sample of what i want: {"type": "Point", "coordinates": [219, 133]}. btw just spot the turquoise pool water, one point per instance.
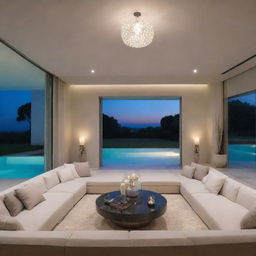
{"type": "Point", "coordinates": [242, 155]}
{"type": "Point", "coordinates": [12, 167]}
{"type": "Point", "coordinates": [141, 157]}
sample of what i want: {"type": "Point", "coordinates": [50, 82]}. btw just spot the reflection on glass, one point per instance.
{"type": "Point", "coordinates": [242, 131]}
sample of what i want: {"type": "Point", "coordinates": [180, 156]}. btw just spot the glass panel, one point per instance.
{"type": "Point", "coordinates": [242, 131]}
{"type": "Point", "coordinates": [22, 111]}
{"type": "Point", "coordinates": [141, 133]}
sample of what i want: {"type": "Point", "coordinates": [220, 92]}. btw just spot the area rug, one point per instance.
{"type": "Point", "coordinates": [178, 216]}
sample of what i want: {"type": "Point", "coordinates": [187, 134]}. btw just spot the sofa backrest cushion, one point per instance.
{"type": "Point", "coordinates": [230, 189]}
{"type": "Point", "coordinates": [65, 174]}
{"type": "Point", "coordinates": [51, 179]}
{"type": "Point", "coordinates": [83, 169]}
{"type": "Point", "coordinates": [3, 209]}
{"type": "Point", "coordinates": [200, 172]}
{"type": "Point", "coordinates": [188, 171]}
{"type": "Point", "coordinates": [73, 169]}
{"type": "Point", "coordinates": [13, 204]}
{"type": "Point", "coordinates": [40, 182]}
{"type": "Point", "coordinates": [9, 223]}
{"type": "Point", "coordinates": [249, 220]}
{"type": "Point", "coordinates": [29, 195]}
{"type": "Point", "coordinates": [246, 197]}
{"type": "Point", "coordinates": [214, 182]}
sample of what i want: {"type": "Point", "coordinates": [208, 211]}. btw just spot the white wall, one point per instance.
{"type": "Point", "coordinates": [37, 117]}
{"type": "Point", "coordinates": [85, 115]}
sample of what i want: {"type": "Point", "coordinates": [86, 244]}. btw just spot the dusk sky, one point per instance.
{"type": "Point", "coordinates": [10, 100]}
{"type": "Point", "coordinates": [249, 98]}
{"type": "Point", "coordinates": [140, 113]}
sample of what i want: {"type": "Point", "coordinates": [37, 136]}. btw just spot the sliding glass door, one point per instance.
{"type": "Point", "coordinates": [22, 112]}
{"type": "Point", "coordinates": [242, 131]}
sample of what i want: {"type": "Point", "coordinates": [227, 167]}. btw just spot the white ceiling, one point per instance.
{"type": "Point", "coordinates": [71, 37]}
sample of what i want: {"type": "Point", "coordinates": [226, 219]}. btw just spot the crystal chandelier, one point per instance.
{"type": "Point", "coordinates": [137, 33]}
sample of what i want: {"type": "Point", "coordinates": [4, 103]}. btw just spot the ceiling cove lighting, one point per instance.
{"type": "Point", "coordinates": [137, 33]}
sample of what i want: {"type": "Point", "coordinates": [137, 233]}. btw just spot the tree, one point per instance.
{"type": "Point", "coordinates": [170, 125]}
{"type": "Point", "coordinates": [24, 113]}
{"type": "Point", "coordinates": [111, 127]}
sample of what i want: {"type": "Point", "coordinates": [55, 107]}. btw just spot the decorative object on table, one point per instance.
{"type": "Point", "coordinates": [196, 150]}
{"type": "Point", "coordinates": [121, 203]}
{"type": "Point", "coordinates": [219, 159]}
{"type": "Point", "coordinates": [81, 147]}
{"type": "Point", "coordinates": [133, 185]}
{"type": "Point", "coordinates": [151, 201]}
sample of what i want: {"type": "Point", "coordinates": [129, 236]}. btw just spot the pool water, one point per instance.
{"type": "Point", "coordinates": [12, 167]}
{"type": "Point", "coordinates": [242, 155]}
{"type": "Point", "coordinates": [141, 157]}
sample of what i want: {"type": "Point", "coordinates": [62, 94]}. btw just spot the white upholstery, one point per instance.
{"type": "Point", "coordinates": [246, 197]}
{"type": "Point", "coordinates": [76, 187]}
{"type": "Point", "coordinates": [214, 182]}
{"type": "Point", "coordinates": [217, 211]}
{"type": "Point", "coordinates": [47, 214]}
{"type": "Point", "coordinates": [230, 189]}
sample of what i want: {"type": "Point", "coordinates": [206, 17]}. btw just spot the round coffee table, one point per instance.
{"type": "Point", "coordinates": [139, 214]}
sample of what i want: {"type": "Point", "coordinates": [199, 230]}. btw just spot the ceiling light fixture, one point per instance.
{"type": "Point", "coordinates": [137, 33]}
{"type": "Point", "coordinates": [195, 71]}
{"type": "Point", "coordinates": [92, 71]}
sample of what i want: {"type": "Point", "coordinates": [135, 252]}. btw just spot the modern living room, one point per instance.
{"type": "Point", "coordinates": [127, 127]}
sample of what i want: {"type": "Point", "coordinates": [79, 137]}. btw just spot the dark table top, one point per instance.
{"type": "Point", "coordinates": [138, 211]}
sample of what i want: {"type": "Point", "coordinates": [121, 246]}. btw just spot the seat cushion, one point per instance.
{"type": "Point", "coordinates": [76, 187]}
{"type": "Point", "coordinates": [191, 186]}
{"type": "Point", "coordinates": [47, 214]}
{"type": "Point", "coordinates": [217, 211]}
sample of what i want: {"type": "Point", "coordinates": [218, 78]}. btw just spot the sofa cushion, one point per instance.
{"type": "Point", "coordinates": [47, 214]}
{"type": "Point", "coordinates": [246, 197]}
{"type": "Point", "coordinates": [249, 220]}
{"type": "Point", "coordinates": [65, 174]}
{"type": "Point", "coordinates": [200, 172]}
{"type": "Point", "coordinates": [3, 209]}
{"type": "Point", "coordinates": [217, 211]}
{"type": "Point", "coordinates": [29, 195]}
{"type": "Point", "coordinates": [188, 171]}
{"type": "Point", "coordinates": [13, 204]}
{"type": "Point", "coordinates": [9, 223]}
{"type": "Point", "coordinates": [83, 169]}
{"type": "Point", "coordinates": [214, 182]}
{"type": "Point", "coordinates": [51, 179]}
{"type": "Point", "coordinates": [39, 181]}
{"type": "Point", "coordinates": [76, 187]}
{"type": "Point", "coordinates": [230, 189]}
{"type": "Point", "coordinates": [191, 186]}
{"type": "Point", "coordinates": [73, 169]}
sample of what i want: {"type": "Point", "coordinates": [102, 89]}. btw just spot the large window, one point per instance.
{"type": "Point", "coordinates": [22, 112]}
{"type": "Point", "coordinates": [242, 131]}
{"type": "Point", "coordinates": [140, 133]}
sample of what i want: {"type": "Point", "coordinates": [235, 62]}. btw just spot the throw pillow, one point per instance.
{"type": "Point", "coordinates": [29, 195]}
{"type": "Point", "coordinates": [83, 169]}
{"type": "Point", "coordinates": [3, 209]}
{"type": "Point", "coordinates": [230, 189]}
{"type": "Point", "coordinates": [65, 174]}
{"type": "Point", "coordinates": [51, 179]}
{"type": "Point", "coordinates": [214, 183]}
{"type": "Point", "coordinates": [188, 171]}
{"type": "Point", "coordinates": [9, 223]}
{"type": "Point", "coordinates": [41, 186]}
{"type": "Point", "coordinates": [73, 169]}
{"type": "Point", "coordinates": [201, 171]}
{"type": "Point", "coordinates": [13, 204]}
{"type": "Point", "coordinates": [249, 220]}
{"type": "Point", "coordinates": [246, 197]}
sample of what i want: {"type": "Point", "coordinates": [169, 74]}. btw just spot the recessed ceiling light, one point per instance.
{"type": "Point", "coordinates": [92, 71]}
{"type": "Point", "coordinates": [195, 71]}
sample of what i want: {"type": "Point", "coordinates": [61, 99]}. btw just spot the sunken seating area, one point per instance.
{"type": "Point", "coordinates": [222, 211]}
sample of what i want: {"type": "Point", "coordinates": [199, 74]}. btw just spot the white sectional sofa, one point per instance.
{"type": "Point", "coordinates": [222, 213]}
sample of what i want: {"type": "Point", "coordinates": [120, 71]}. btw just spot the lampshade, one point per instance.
{"type": "Point", "coordinates": [137, 33]}
{"type": "Point", "coordinates": [81, 140]}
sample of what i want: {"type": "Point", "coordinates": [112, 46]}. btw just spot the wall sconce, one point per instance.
{"type": "Point", "coordinates": [81, 146]}
{"type": "Point", "coordinates": [196, 149]}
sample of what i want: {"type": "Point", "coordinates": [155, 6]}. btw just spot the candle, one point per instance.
{"type": "Point", "coordinates": [123, 189]}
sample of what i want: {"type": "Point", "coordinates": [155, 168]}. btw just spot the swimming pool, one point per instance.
{"type": "Point", "coordinates": [242, 155]}
{"type": "Point", "coordinates": [141, 157]}
{"type": "Point", "coordinates": [14, 167]}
